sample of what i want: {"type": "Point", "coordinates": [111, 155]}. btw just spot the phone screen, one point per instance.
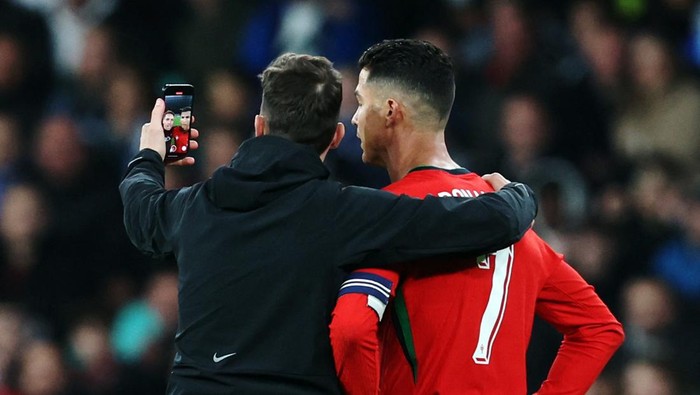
{"type": "Point", "coordinates": [177, 120]}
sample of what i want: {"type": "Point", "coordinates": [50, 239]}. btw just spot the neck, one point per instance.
{"type": "Point", "coordinates": [414, 148]}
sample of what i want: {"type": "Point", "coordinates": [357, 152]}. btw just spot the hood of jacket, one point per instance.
{"type": "Point", "coordinates": [263, 169]}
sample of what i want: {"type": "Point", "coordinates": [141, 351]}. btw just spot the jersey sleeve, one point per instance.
{"type": "Point", "coordinates": [354, 328]}
{"type": "Point", "coordinates": [591, 332]}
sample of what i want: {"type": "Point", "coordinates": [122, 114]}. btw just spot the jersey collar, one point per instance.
{"type": "Point", "coordinates": [457, 171]}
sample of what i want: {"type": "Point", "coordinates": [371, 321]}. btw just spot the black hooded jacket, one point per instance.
{"type": "Point", "coordinates": [262, 248]}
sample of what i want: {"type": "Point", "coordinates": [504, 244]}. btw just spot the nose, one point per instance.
{"type": "Point", "coordinates": [354, 119]}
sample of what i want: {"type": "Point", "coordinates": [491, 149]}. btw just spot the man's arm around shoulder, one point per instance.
{"type": "Point", "coordinates": [381, 228]}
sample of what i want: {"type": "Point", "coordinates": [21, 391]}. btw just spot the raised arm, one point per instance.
{"type": "Point", "coordinates": [143, 196]}
{"type": "Point", "coordinates": [143, 188]}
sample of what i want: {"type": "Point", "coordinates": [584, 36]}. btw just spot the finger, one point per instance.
{"type": "Point", "coordinates": [194, 133]}
{"type": "Point", "coordinates": [187, 161]}
{"type": "Point", "coordinates": [495, 177]}
{"type": "Point", "coordinates": [498, 175]}
{"type": "Point", "coordinates": [158, 110]}
{"type": "Point", "coordinates": [193, 119]}
{"type": "Point", "coordinates": [193, 145]}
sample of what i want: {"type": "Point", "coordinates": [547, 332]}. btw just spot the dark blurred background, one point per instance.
{"type": "Point", "coordinates": [596, 104]}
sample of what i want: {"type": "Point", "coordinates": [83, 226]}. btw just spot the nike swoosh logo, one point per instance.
{"type": "Point", "coordinates": [221, 358]}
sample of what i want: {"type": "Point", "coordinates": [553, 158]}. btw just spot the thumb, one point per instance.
{"type": "Point", "coordinates": [158, 111]}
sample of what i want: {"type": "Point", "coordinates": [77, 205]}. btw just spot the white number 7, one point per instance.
{"type": "Point", "coordinates": [496, 306]}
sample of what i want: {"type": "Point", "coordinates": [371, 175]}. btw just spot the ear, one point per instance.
{"type": "Point", "coordinates": [394, 112]}
{"type": "Point", "coordinates": [338, 136]}
{"type": "Point", "coordinates": [260, 125]}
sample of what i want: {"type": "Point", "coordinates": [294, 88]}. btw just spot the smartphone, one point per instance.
{"type": "Point", "coordinates": [177, 120]}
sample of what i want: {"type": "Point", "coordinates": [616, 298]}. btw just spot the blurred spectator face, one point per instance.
{"type": "Point", "coordinates": [655, 195]}
{"type": "Point", "coordinates": [613, 203]}
{"type": "Point", "coordinates": [605, 53]}
{"type": "Point", "coordinates": [124, 101]}
{"type": "Point", "coordinates": [11, 62]}
{"type": "Point", "coordinates": [89, 341]}
{"type": "Point", "coordinates": [219, 148]}
{"type": "Point", "coordinates": [227, 96]}
{"type": "Point", "coordinates": [648, 305]}
{"type": "Point", "coordinates": [589, 252]}
{"type": "Point", "coordinates": [162, 296]}
{"type": "Point", "coordinates": [585, 19]}
{"type": "Point", "coordinates": [90, 346]}
{"type": "Point", "coordinates": [510, 31]}
{"type": "Point", "coordinates": [603, 386]}
{"type": "Point", "coordinates": [9, 140]}
{"type": "Point", "coordinates": [10, 336]}
{"type": "Point", "coordinates": [524, 128]}
{"type": "Point", "coordinates": [41, 370]}
{"type": "Point", "coordinates": [97, 55]}
{"type": "Point", "coordinates": [647, 186]}
{"type": "Point", "coordinates": [436, 36]}
{"type": "Point", "coordinates": [23, 214]}
{"type": "Point", "coordinates": [651, 66]}
{"type": "Point", "coordinates": [60, 153]}
{"type": "Point", "coordinates": [641, 378]}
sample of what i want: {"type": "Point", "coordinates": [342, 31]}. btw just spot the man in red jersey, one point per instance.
{"type": "Point", "coordinates": [180, 135]}
{"type": "Point", "coordinates": [463, 325]}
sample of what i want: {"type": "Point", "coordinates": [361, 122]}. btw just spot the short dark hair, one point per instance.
{"type": "Point", "coordinates": [418, 66]}
{"type": "Point", "coordinates": [301, 99]}
{"type": "Point", "coordinates": [185, 109]}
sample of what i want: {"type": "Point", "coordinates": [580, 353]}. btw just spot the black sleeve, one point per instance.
{"type": "Point", "coordinates": [379, 228]}
{"type": "Point", "coordinates": [144, 198]}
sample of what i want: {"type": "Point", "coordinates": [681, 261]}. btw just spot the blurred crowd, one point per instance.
{"type": "Point", "coordinates": [595, 104]}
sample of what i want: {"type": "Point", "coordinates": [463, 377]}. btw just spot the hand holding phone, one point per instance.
{"type": "Point", "coordinates": [153, 131]}
{"type": "Point", "coordinates": [177, 120]}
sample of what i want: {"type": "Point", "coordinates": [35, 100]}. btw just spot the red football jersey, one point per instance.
{"type": "Point", "coordinates": [180, 140]}
{"type": "Point", "coordinates": [465, 325]}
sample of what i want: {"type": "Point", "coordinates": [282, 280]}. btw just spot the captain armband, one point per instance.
{"type": "Point", "coordinates": [376, 287]}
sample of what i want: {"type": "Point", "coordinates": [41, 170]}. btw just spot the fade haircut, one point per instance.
{"type": "Point", "coordinates": [301, 99]}
{"type": "Point", "coordinates": [418, 67]}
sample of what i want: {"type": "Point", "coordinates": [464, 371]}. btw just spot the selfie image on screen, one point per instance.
{"type": "Point", "coordinates": [176, 123]}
